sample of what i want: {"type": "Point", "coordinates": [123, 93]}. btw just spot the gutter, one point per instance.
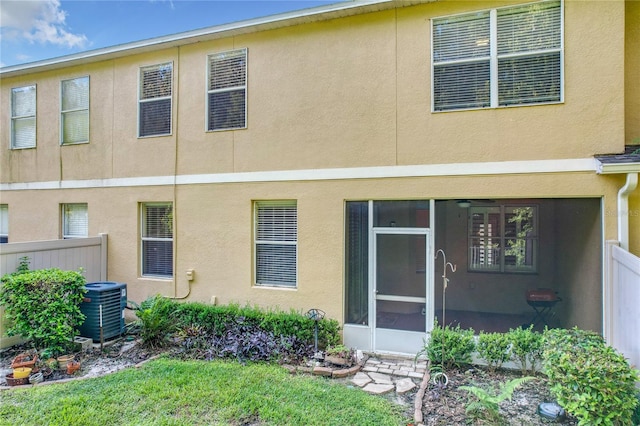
{"type": "Point", "coordinates": [623, 209]}
{"type": "Point", "coordinates": [629, 164]}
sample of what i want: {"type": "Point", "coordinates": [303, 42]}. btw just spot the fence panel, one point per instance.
{"type": "Point", "coordinates": [624, 291]}
{"type": "Point", "coordinates": [90, 254]}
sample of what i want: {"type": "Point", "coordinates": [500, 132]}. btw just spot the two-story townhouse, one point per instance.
{"type": "Point", "coordinates": [338, 157]}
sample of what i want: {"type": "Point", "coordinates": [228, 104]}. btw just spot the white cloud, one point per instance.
{"type": "Point", "coordinates": [38, 21]}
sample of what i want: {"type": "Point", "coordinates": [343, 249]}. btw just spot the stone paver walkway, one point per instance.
{"type": "Point", "coordinates": [380, 375]}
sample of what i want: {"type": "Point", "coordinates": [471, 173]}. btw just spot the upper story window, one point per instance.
{"type": "Point", "coordinates": [74, 120]}
{"type": "Point", "coordinates": [155, 98]}
{"type": "Point", "coordinates": [23, 117]}
{"type": "Point", "coordinates": [227, 90]}
{"type": "Point", "coordinates": [4, 223]}
{"type": "Point", "coordinates": [75, 220]}
{"type": "Point", "coordinates": [499, 57]}
{"type": "Point", "coordinates": [276, 243]}
{"type": "Point", "coordinates": [157, 239]}
{"type": "Point", "coordinates": [503, 239]}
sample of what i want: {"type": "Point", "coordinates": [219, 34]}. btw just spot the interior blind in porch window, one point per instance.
{"type": "Point", "coordinates": [227, 90]}
{"type": "Point", "coordinates": [276, 237]}
{"type": "Point", "coordinates": [154, 114]}
{"type": "Point", "coordinates": [485, 243]}
{"type": "Point", "coordinates": [23, 117]}
{"type": "Point", "coordinates": [157, 239]}
{"type": "Point", "coordinates": [75, 220]}
{"type": "Point", "coordinates": [75, 110]}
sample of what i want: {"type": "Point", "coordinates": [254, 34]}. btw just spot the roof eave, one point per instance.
{"type": "Point", "coordinates": [315, 14]}
{"type": "Point", "coordinates": [616, 168]}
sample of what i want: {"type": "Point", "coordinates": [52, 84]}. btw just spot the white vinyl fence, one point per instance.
{"type": "Point", "coordinates": [90, 254]}
{"type": "Point", "coordinates": [622, 301]}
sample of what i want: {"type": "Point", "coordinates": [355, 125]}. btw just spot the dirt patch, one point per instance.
{"type": "Point", "coordinates": [441, 405]}
{"type": "Point", "coordinates": [446, 405]}
{"type": "Point", "coordinates": [94, 362]}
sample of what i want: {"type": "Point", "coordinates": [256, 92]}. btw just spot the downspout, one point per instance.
{"type": "Point", "coordinates": [623, 209]}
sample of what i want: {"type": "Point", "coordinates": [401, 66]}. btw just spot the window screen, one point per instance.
{"type": "Point", "coordinates": [75, 110]}
{"type": "Point", "coordinates": [227, 90]}
{"type": "Point", "coordinates": [75, 220]}
{"type": "Point", "coordinates": [154, 112]}
{"type": "Point", "coordinates": [157, 239]}
{"type": "Point", "coordinates": [276, 238]}
{"type": "Point", "coordinates": [23, 117]}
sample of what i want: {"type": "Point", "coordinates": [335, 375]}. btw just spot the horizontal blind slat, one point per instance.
{"type": "Point", "coordinates": [75, 94]}
{"type": "Point", "coordinates": [24, 133]}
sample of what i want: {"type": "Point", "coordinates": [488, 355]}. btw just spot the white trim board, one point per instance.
{"type": "Point", "coordinates": [425, 170]}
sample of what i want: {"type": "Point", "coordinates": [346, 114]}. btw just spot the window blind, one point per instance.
{"type": "Point", "coordinates": [155, 101]}
{"type": "Point", "coordinates": [75, 110]}
{"type": "Point", "coordinates": [157, 239]}
{"type": "Point", "coordinates": [75, 221]}
{"type": "Point", "coordinates": [227, 90]}
{"type": "Point", "coordinates": [501, 57]}
{"type": "Point", "coordinates": [503, 239]}
{"type": "Point", "coordinates": [23, 117]}
{"type": "Point", "coordinates": [276, 236]}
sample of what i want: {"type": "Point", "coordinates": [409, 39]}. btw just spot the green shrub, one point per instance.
{"type": "Point", "coordinates": [157, 324]}
{"type": "Point", "coordinates": [590, 379]}
{"type": "Point", "coordinates": [494, 348]}
{"type": "Point", "coordinates": [449, 347]}
{"type": "Point", "coordinates": [526, 348]}
{"type": "Point", "coordinates": [44, 306]}
{"type": "Point", "coordinates": [161, 317]}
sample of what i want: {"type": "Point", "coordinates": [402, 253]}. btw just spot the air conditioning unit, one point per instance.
{"type": "Point", "coordinates": [104, 304]}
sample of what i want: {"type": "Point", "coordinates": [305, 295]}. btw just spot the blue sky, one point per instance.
{"type": "Point", "coordinates": [33, 30]}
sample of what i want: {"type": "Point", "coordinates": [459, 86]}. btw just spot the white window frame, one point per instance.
{"type": "Point", "coordinates": [487, 254]}
{"type": "Point", "coordinates": [225, 88]}
{"type": "Point", "coordinates": [82, 108]}
{"type": "Point", "coordinates": [164, 237]}
{"type": "Point", "coordinates": [276, 243]}
{"type": "Point", "coordinates": [18, 116]}
{"type": "Point", "coordinates": [4, 223]}
{"type": "Point", "coordinates": [78, 213]}
{"type": "Point", "coordinates": [160, 98]}
{"type": "Point", "coordinates": [493, 57]}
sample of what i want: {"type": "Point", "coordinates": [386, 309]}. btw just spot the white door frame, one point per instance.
{"type": "Point", "coordinates": [400, 341]}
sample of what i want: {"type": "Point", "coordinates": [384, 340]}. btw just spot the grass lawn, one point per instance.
{"type": "Point", "coordinates": [172, 392]}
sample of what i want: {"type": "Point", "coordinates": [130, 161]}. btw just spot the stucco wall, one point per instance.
{"type": "Point", "coordinates": [632, 72]}
{"type": "Point", "coordinates": [351, 92]}
{"type": "Point", "coordinates": [213, 232]}
{"type": "Point", "coordinates": [348, 92]}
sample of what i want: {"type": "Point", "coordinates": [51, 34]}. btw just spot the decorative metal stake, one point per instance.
{"type": "Point", "coordinates": [315, 315]}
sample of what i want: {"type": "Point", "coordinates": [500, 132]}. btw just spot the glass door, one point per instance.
{"type": "Point", "coordinates": [400, 288]}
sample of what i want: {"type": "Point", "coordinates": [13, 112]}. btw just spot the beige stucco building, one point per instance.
{"type": "Point", "coordinates": [323, 158]}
